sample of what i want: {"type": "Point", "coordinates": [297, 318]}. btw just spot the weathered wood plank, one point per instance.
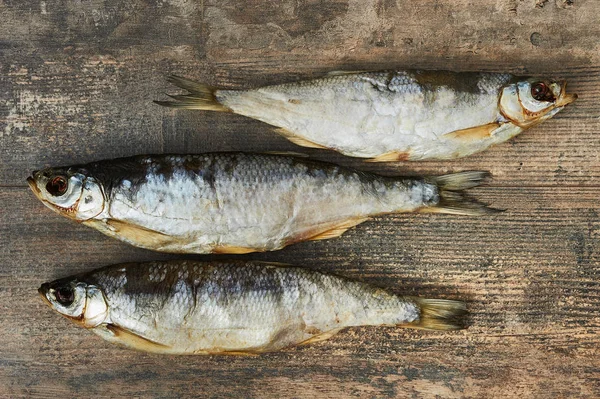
{"type": "Point", "coordinates": [530, 275]}
{"type": "Point", "coordinates": [81, 94]}
{"type": "Point", "coordinates": [76, 84]}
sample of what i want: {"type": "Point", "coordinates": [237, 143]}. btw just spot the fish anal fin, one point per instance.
{"type": "Point", "coordinates": [298, 140]}
{"type": "Point", "coordinates": [226, 249]}
{"type": "Point", "coordinates": [135, 341]}
{"type": "Point", "coordinates": [131, 233]}
{"type": "Point", "coordinates": [338, 230]}
{"type": "Point", "coordinates": [392, 156]}
{"type": "Point", "coordinates": [321, 337]}
{"type": "Point", "coordinates": [473, 133]}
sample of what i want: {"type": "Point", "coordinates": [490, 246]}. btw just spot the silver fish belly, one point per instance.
{"type": "Point", "coordinates": [235, 202]}
{"type": "Point", "coordinates": [190, 307]}
{"type": "Point", "coordinates": [391, 115]}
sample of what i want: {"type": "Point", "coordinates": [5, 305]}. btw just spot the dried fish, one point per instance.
{"type": "Point", "coordinates": [391, 115]}
{"type": "Point", "coordinates": [236, 202]}
{"type": "Point", "coordinates": [190, 307]}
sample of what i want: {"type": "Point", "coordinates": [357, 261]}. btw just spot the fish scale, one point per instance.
{"type": "Point", "coordinates": [239, 202]}
{"type": "Point", "coordinates": [391, 115]}
{"type": "Point", "coordinates": [241, 307]}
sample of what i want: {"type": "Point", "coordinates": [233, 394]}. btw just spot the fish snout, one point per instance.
{"type": "Point", "coordinates": [33, 186]}
{"type": "Point", "coordinates": [44, 288]}
{"type": "Point", "coordinates": [565, 99]}
{"type": "Point", "coordinates": [43, 291]}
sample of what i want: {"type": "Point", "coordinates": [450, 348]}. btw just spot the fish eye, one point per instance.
{"type": "Point", "coordinates": [57, 186]}
{"type": "Point", "coordinates": [64, 295]}
{"type": "Point", "coordinates": [541, 92]}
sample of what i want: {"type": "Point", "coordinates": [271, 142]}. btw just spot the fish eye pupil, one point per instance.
{"type": "Point", "coordinates": [65, 295]}
{"type": "Point", "coordinates": [539, 91]}
{"type": "Point", "coordinates": [57, 186]}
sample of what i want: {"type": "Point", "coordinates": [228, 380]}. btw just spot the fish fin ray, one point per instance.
{"type": "Point", "coordinates": [453, 200]}
{"type": "Point", "coordinates": [321, 337]}
{"type": "Point", "coordinates": [230, 249]}
{"type": "Point", "coordinates": [473, 133]}
{"type": "Point", "coordinates": [298, 140]}
{"type": "Point", "coordinates": [201, 96]}
{"type": "Point", "coordinates": [439, 314]}
{"type": "Point", "coordinates": [338, 230]}
{"type": "Point", "coordinates": [135, 341]}
{"type": "Point", "coordinates": [392, 156]}
{"type": "Point", "coordinates": [137, 234]}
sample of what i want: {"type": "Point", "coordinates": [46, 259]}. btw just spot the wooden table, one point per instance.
{"type": "Point", "coordinates": [76, 83]}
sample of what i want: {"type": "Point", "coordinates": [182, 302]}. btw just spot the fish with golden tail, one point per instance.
{"type": "Point", "coordinates": [238, 202]}
{"type": "Point", "coordinates": [391, 115]}
{"type": "Point", "coordinates": [191, 307]}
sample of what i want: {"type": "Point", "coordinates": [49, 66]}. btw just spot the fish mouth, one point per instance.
{"type": "Point", "coordinates": [43, 290]}
{"type": "Point", "coordinates": [565, 99]}
{"type": "Point", "coordinates": [34, 187]}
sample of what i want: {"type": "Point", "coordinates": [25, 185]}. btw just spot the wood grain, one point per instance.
{"type": "Point", "coordinates": [76, 84]}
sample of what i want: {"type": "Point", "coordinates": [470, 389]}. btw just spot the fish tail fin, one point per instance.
{"type": "Point", "coordinates": [200, 96]}
{"type": "Point", "coordinates": [439, 314]}
{"type": "Point", "coordinates": [452, 198]}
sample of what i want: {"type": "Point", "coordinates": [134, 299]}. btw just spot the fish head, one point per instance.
{"type": "Point", "coordinates": [82, 303]}
{"type": "Point", "coordinates": [71, 193]}
{"type": "Point", "coordinates": [530, 101]}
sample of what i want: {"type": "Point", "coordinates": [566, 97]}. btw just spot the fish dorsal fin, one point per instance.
{"type": "Point", "coordinates": [131, 233]}
{"type": "Point", "coordinates": [338, 230]}
{"type": "Point", "coordinates": [321, 337]}
{"type": "Point", "coordinates": [392, 156]}
{"type": "Point", "coordinates": [473, 133]}
{"type": "Point", "coordinates": [298, 140]}
{"type": "Point", "coordinates": [135, 341]}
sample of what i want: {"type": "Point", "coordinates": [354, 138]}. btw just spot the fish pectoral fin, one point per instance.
{"type": "Point", "coordinates": [137, 234]}
{"type": "Point", "coordinates": [298, 140]}
{"type": "Point", "coordinates": [321, 337]}
{"type": "Point", "coordinates": [225, 249]}
{"type": "Point", "coordinates": [392, 156]}
{"type": "Point", "coordinates": [135, 341]}
{"type": "Point", "coordinates": [338, 230]}
{"type": "Point", "coordinates": [473, 133]}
